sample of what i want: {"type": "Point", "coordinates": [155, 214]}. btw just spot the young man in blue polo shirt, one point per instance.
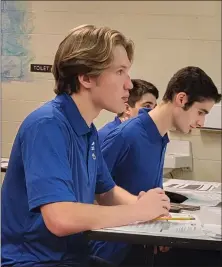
{"type": "Point", "coordinates": [135, 150]}
{"type": "Point", "coordinates": [143, 94]}
{"type": "Point", "coordinates": [56, 165]}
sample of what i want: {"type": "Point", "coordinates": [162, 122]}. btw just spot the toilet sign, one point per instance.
{"type": "Point", "coordinates": [40, 68]}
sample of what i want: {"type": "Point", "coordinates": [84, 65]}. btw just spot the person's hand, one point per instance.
{"type": "Point", "coordinates": [152, 204]}
{"type": "Point", "coordinates": [161, 249]}
{"type": "Point", "coordinates": [156, 248]}
{"type": "Point", "coordinates": [141, 193]}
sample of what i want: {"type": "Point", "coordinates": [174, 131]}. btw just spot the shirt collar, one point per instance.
{"type": "Point", "coordinates": [73, 115]}
{"type": "Point", "coordinates": [117, 120]}
{"type": "Point", "coordinates": [151, 127]}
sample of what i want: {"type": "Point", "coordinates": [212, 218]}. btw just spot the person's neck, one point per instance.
{"type": "Point", "coordinates": [86, 106]}
{"type": "Point", "coordinates": [121, 118]}
{"type": "Point", "coordinates": [162, 117]}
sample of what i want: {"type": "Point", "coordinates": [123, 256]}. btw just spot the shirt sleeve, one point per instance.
{"type": "Point", "coordinates": [104, 181]}
{"type": "Point", "coordinates": [160, 178]}
{"type": "Point", "coordinates": [114, 150]}
{"type": "Point", "coordinates": [160, 183]}
{"type": "Point", "coordinates": [47, 169]}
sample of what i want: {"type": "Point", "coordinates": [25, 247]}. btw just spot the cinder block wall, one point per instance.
{"type": "Point", "coordinates": [168, 35]}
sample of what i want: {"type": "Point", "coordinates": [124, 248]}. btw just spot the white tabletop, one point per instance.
{"type": "Point", "coordinates": [208, 219]}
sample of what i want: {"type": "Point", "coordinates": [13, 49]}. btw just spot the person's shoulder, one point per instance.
{"type": "Point", "coordinates": [107, 127]}
{"type": "Point", "coordinates": [130, 128]}
{"type": "Point", "coordinates": [122, 135]}
{"type": "Point", "coordinates": [43, 116]}
{"type": "Point", "coordinates": [105, 130]}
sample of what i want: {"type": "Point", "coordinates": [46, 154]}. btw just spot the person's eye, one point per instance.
{"type": "Point", "coordinates": [148, 106]}
{"type": "Point", "coordinates": [120, 72]}
{"type": "Point", "coordinates": [201, 113]}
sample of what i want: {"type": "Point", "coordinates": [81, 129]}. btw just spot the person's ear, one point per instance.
{"type": "Point", "coordinates": [181, 99]}
{"type": "Point", "coordinates": [86, 81]}
{"type": "Point", "coordinates": [128, 110]}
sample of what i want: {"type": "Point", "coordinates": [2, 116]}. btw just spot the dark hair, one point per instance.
{"type": "Point", "coordinates": [140, 88]}
{"type": "Point", "coordinates": [195, 83]}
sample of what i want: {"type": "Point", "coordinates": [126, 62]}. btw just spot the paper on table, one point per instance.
{"type": "Point", "coordinates": [213, 231]}
{"type": "Point", "coordinates": [197, 192]}
{"type": "Point", "coordinates": [208, 215]}
{"type": "Point", "coordinates": [177, 228]}
{"type": "Point", "coordinates": [193, 185]}
{"type": "Point", "coordinates": [203, 199]}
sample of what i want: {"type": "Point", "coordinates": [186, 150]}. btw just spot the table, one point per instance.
{"type": "Point", "coordinates": [207, 215]}
{"type": "Point", "coordinates": [205, 242]}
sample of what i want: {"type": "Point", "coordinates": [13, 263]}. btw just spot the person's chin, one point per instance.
{"type": "Point", "coordinates": [117, 109]}
{"type": "Point", "coordinates": [183, 131]}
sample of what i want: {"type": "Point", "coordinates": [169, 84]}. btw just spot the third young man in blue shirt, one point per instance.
{"type": "Point", "coordinates": [135, 150]}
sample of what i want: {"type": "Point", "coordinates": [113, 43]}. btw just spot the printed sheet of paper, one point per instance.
{"type": "Point", "coordinates": [205, 199]}
{"type": "Point", "coordinates": [176, 228]}
{"type": "Point", "coordinates": [198, 186]}
{"type": "Point", "coordinates": [212, 230]}
{"type": "Point", "coordinates": [198, 193]}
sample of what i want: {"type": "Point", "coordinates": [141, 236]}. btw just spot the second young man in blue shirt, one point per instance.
{"type": "Point", "coordinates": [143, 94]}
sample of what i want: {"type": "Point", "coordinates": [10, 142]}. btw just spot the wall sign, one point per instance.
{"type": "Point", "coordinates": [40, 68]}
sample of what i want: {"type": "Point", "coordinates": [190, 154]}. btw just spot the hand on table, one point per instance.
{"type": "Point", "coordinates": [152, 204]}
{"type": "Point", "coordinates": [156, 248]}
{"type": "Point", "coordinates": [161, 249]}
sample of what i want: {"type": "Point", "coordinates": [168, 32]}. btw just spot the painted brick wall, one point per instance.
{"type": "Point", "coordinates": [168, 35]}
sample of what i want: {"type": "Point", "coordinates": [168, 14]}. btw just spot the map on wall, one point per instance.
{"type": "Point", "coordinates": [16, 29]}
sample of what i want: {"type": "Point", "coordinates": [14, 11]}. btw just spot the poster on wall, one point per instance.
{"type": "Point", "coordinates": [16, 30]}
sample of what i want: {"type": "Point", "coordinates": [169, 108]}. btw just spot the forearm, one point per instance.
{"type": "Point", "coordinates": [67, 218]}
{"type": "Point", "coordinates": [116, 196]}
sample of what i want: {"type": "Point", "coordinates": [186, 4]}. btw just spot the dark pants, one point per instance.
{"type": "Point", "coordinates": [182, 257]}
{"type": "Point", "coordinates": [144, 257]}
{"type": "Point", "coordinates": [96, 261]}
{"type": "Point", "coordinates": [175, 257]}
{"type": "Point", "coordinates": [139, 255]}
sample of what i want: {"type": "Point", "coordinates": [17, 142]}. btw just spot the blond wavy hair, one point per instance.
{"type": "Point", "coordinates": [87, 49]}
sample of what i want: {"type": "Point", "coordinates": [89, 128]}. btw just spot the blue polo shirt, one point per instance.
{"type": "Point", "coordinates": [134, 153]}
{"type": "Point", "coordinates": [105, 130]}
{"type": "Point", "coordinates": [55, 157]}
